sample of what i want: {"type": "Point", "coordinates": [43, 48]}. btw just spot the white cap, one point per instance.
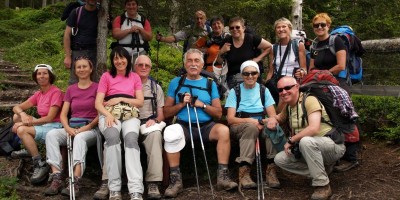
{"type": "Point", "coordinates": [174, 138]}
{"type": "Point", "coordinates": [43, 66]}
{"type": "Point", "coordinates": [249, 63]}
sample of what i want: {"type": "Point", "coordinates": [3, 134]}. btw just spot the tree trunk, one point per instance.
{"type": "Point", "coordinates": [297, 15]}
{"type": "Point", "coordinates": [7, 4]}
{"type": "Point", "coordinates": [102, 39]}
{"type": "Point", "coordinates": [382, 45]}
{"type": "Point", "coordinates": [44, 3]}
{"type": "Point", "coordinates": [173, 23]}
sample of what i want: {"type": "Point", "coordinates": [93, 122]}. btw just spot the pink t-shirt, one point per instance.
{"type": "Point", "coordinates": [120, 84]}
{"type": "Point", "coordinates": [82, 101]}
{"type": "Point", "coordinates": [43, 101]}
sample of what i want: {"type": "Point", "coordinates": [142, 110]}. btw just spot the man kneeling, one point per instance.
{"type": "Point", "coordinates": [310, 151]}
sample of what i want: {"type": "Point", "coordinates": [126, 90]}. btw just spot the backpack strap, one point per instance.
{"type": "Point", "coordinates": [295, 47]}
{"type": "Point", "coordinates": [304, 110]}
{"type": "Point", "coordinates": [262, 94]}
{"type": "Point", "coordinates": [153, 98]}
{"type": "Point", "coordinates": [78, 12]}
{"type": "Point", "coordinates": [238, 96]}
{"type": "Point", "coordinates": [332, 44]}
{"type": "Point", "coordinates": [275, 50]}
{"type": "Point", "coordinates": [181, 83]}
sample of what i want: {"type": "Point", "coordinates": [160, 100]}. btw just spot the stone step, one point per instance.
{"type": "Point", "coordinates": [10, 70]}
{"type": "Point", "coordinates": [18, 84]}
{"type": "Point", "coordinates": [16, 94]}
{"type": "Point", "coordinates": [19, 77]}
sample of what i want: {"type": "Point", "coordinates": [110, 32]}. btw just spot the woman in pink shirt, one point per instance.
{"type": "Point", "coordinates": [48, 101]}
{"type": "Point", "coordinates": [121, 85]}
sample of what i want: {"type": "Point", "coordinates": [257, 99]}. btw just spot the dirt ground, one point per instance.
{"type": "Point", "coordinates": [378, 177]}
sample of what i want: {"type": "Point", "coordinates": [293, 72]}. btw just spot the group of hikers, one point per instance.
{"type": "Point", "coordinates": [127, 107]}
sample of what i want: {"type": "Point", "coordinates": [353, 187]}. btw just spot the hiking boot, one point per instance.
{"type": "Point", "coordinates": [271, 178]}
{"type": "Point", "coordinates": [23, 153]}
{"type": "Point", "coordinates": [103, 191]}
{"type": "Point", "coordinates": [321, 192]}
{"type": "Point", "coordinates": [245, 179]}
{"type": "Point", "coordinates": [136, 196]}
{"type": "Point", "coordinates": [175, 185]}
{"type": "Point", "coordinates": [56, 184]}
{"type": "Point", "coordinates": [345, 165]}
{"type": "Point", "coordinates": [153, 192]}
{"type": "Point", "coordinates": [224, 182]}
{"type": "Point", "coordinates": [329, 168]}
{"type": "Point", "coordinates": [66, 192]}
{"type": "Point", "coordinates": [115, 195]}
{"type": "Point", "coordinates": [40, 171]}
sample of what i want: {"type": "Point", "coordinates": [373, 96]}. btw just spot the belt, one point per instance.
{"type": "Point", "coordinates": [193, 124]}
{"type": "Point", "coordinates": [247, 115]}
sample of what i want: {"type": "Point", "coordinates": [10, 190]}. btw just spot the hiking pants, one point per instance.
{"type": "Point", "coordinates": [81, 142]}
{"type": "Point", "coordinates": [315, 153]}
{"type": "Point", "coordinates": [246, 134]}
{"type": "Point", "coordinates": [153, 146]}
{"type": "Point", "coordinates": [113, 163]}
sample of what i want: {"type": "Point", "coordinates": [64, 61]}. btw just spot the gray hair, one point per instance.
{"type": "Point", "coordinates": [192, 51]}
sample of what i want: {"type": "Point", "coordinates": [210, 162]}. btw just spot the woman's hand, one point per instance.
{"type": "Point", "coordinates": [70, 131]}
{"type": "Point", "coordinates": [26, 119]}
{"type": "Point", "coordinates": [16, 126]}
{"type": "Point", "coordinates": [112, 102]}
{"type": "Point", "coordinates": [110, 121]}
{"type": "Point", "coordinates": [225, 48]}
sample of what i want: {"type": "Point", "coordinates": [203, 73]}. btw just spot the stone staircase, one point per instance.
{"type": "Point", "coordinates": [16, 85]}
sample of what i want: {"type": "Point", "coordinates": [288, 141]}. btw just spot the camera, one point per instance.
{"type": "Point", "coordinates": [296, 150]}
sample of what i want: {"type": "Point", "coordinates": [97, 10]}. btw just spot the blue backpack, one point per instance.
{"type": "Point", "coordinates": [354, 50]}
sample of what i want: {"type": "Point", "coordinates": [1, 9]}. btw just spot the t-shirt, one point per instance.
{"type": "Point", "coordinates": [82, 101]}
{"type": "Point", "coordinates": [250, 100]}
{"type": "Point", "coordinates": [128, 38]}
{"type": "Point", "coordinates": [312, 105]}
{"type": "Point", "coordinates": [43, 101]}
{"type": "Point", "coordinates": [87, 27]}
{"type": "Point", "coordinates": [120, 84]}
{"type": "Point", "coordinates": [192, 34]}
{"type": "Point", "coordinates": [202, 95]}
{"type": "Point", "coordinates": [289, 63]}
{"type": "Point", "coordinates": [236, 56]}
{"type": "Point", "coordinates": [147, 110]}
{"type": "Point", "coordinates": [324, 58]}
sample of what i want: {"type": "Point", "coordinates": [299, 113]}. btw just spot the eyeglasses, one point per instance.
{"type": "Point", "coordinates": [147, 66]}
{"type": "Point", "coordinates": [323, 25]}
{"type": "Point", "coordinates": [234, 27]}
{"type": "Point", "coordinates": [286, 88]}
{"type": "Point", "coordinates": [249, 73]}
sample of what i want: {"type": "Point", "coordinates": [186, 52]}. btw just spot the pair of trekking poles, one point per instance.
{"type": "Point", "coordinates": [194, 98]}
{"type": "Point", "coordinates": [70, 168]}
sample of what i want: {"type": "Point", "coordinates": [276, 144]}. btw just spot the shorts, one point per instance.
{"type": "Point", "coordinates": [42, 130]}
{"type": "Point", "coordinates": [205, 129]}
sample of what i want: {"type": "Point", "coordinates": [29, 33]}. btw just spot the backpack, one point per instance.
{"type": "Point", "coordinates": [238, 98]}
{"type": "Point", "coordinates": [318, 83]}
{"type": "Point", "coordinates": [69, 8]}
{"type": "Point", "coordinates": [354, 50]}
{"type": "Point", "coordinates": [9, 141]}
{"type": "Point", "coordinates": [210, 79]}
{"type": "Point", "coordinates": [153, 98]}
{"type": "Point", "coordinates": [135, 36]}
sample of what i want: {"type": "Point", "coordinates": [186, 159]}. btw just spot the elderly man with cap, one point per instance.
{"type": "Point", "coordinates": [48, 101]}
{"type": "Point", "coordinates": [193, 93]}
{"type": "Point", "coordinates": [247, 104]}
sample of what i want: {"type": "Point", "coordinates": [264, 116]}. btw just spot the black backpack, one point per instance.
{"type": "Point", "coordinates": [69, 8]}
{"type": "Point", "coordinates": [238, 98]}
{"type": "Point", "coordinates": [210, 79]}
{"type": "Point", "coordinates": [135, 43]}
{"type": "Point", "coordinates": [153, 98]}
{"type": "Point", "coordinates": [9, 141]}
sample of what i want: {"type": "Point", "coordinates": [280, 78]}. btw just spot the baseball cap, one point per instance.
{"type": "Point", "coordinates": [43, 66]}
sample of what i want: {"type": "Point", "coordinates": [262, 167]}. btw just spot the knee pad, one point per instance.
{"type": "Point", "coordinates": [131, 140]}
{"type": "Point", "coordinates": [174, 138]}
{"type": "Point", "coordinates": [112, 136]}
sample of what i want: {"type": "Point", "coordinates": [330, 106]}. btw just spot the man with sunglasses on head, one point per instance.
{"type": "Point", "coordinates": [309, 151]}
{"type": "Point", "coordinates": [246, 120]}
{"type": "Point", "coordinates": [80, 37]}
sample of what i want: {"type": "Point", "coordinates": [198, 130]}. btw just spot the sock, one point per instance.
{"type": "Point", "coordinates": [37, 158]}
{"type": "Point", "coordinates": [244, 163]}
{"type": "Point", "coordinates": [222, 166]}
{"type": "Point", "coordinates": [270, 161]}
{"type": "Point", "coordinates": [175, 169]}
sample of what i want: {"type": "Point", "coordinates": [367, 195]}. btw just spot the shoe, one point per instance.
{"type": "Point", "coordinates": [345, 165]}
{"type": "Point", "coordinates": [56, 184]}
{"type": "Point", "coordinates": [103, 191]}
{"type": "Point", "coordinates": [245, 179]}
{"type": "Point", "coordinates": [321, 192]}
{"type": "Point", "coordinates": [136, 196]}
{"type": "Point", "coordinates": [224, 182]}
{"type": "Point", "coordinates": [271, 178]}
{"type": "Point", "coordinates": [153, 192]}
{"type": "Point", "coordinates": [175, 185]}
{"type": "Point", "coordinates": [40, 171]}
{"type": "Point", "coordinates": [23, 153]}
{"type": "Point", "coordinates": [66, 191]}
{"type": "Point", "coordinates": [115, 195]}
{"type": "Point", "coordinates": [329, 168]}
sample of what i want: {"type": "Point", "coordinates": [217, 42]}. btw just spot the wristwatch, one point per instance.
{"type": "Point", "coordinates": [204, 106]}
{"type": "Point", "coordinates": [290, 141]}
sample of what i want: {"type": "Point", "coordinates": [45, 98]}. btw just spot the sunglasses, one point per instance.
{"type": "Point", "coordinates": [286, 88]}
{"type": "Point", "coordinates": [249, 73]}
{"type": "Point", "coordinates": [147, 66]}
{"type": "Point", "coordinates": [234, 27]}
{"type": "Point", "coordinates": [323, 25]}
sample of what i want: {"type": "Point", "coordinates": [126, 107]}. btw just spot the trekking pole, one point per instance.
{"type": "Point", "coordinates": [70, 169]}
{"type": "Point", "coordinates": [191, 140]}
{"type": "Point", "coordinates": [260, 184]}
{"type": "Point", "coordinates": [202, 146]}
{"type": "Point", "coordinates": [158, 49]}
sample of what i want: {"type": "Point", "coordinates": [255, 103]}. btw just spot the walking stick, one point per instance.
{"type": "Point", "coordinates": [202, 147]}
{"type": "Point", "coordinates": [70, 169]}
{"type": "Point", "coordinates": [260, 185]}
